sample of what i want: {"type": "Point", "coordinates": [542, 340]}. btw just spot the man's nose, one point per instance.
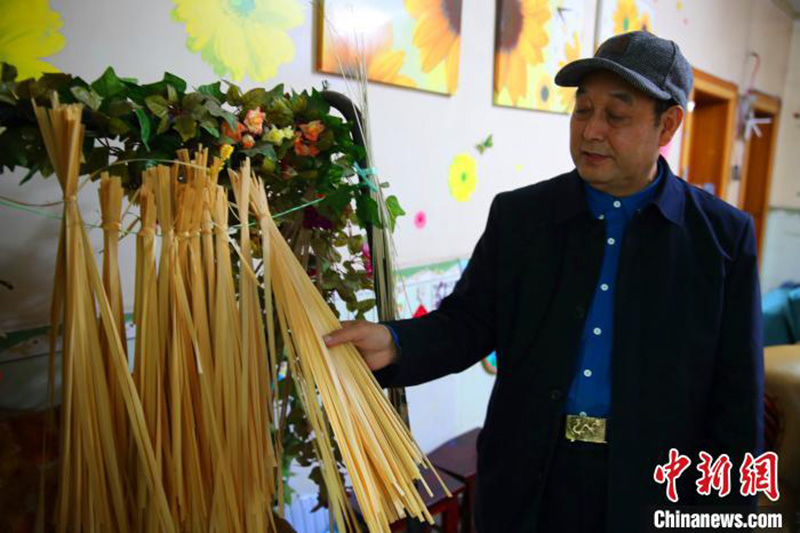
{"type": "Point", "coordinates": [595, 128]}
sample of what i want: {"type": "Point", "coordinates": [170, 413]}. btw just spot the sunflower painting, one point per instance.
{"type": "Point", "coordinates": [621, 16]}
{"type": "Point", "coordinates": [241, 38]}
{"type": "Point", "coordinates": [533, 39]}
{"type": "Point", "coordinates": [409, 43]}
{"type": "Point", "coordinates": [29, 33]}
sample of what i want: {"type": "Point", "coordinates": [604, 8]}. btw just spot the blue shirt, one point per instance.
{"type": "Point", "coordinates": [590, 391]}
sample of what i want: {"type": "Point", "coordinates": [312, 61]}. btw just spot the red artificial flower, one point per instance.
{"type": "Point", "coordinates": [312, 130]}
{"type": "Point", "coordinates": [303, 149]}
{"type": "Point", "coordinates": [230, 134]}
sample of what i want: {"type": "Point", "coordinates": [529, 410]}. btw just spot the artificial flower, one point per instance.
{"type": "Point", "coordinates": [254, 121]}
{"type": "Point", "coordinates": [234, 136]}
{"type": "Point", "coordinates": [312, 219]}
{"type": "Point", "coordinates": [248, 141]}
{"type": "Point", "coordinates": [225, 151]}
{"type": "Point", "coordinates": [303, 149]}
{"type": "Point", "coordinates": [312, 130]}
{"type": "Point", "coordinates": [278, 135]}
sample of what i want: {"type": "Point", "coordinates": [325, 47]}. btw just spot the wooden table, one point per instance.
{"type": "Point", "coordinates": [459, 458]}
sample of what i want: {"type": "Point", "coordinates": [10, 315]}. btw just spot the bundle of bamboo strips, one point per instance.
{"type": "Point", "coordinates": [93, 484]}
{"type": "Point", "coordinates": [338, 390]}
{"type": "Point", "coordinates": [186, 442]}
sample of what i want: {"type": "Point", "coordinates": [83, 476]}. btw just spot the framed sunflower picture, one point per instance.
{"type": "Point", "coordinates": [621, 16]}
{"type": "Point", "coordinates": [533, 40]}
{"type": "Point", "coordinates": [408, 43]}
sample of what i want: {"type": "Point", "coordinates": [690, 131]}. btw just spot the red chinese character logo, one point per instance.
{"type": "Point", "coordinates": [760, 475]}
{"type": "Point", "coordinates": [671, 471]}
{"type": "Point", "coordinates": [716, 475]}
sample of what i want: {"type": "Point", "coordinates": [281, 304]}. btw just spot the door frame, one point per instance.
{"type": "Point", "coordinates": [771, 105]}
{"type": "Point", "coordinates": [725, 90]}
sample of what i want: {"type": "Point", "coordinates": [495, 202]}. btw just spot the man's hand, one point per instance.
{"type": "Point", "coordinates": [373, 341]}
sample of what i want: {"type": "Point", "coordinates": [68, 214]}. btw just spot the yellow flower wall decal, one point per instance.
{"type": "Point", "coordinates": [463, 177]}
{"type": "Point", "coordinates": [437, 34]}
{"type": "Point", "coordinates": [626, 16]}
{"type": "Point", "coordinates": [521, 38]}
{"type": "Point", "coordinates": [241, 37]}
{"type": "Point", "coordinates": [29, 33]}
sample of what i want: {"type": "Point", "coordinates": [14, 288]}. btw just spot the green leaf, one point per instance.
{"type": "Point", "coordinates": [234, 94]}
{"type": "Point", "coordinates": [175, 81]}
{"type": "Point", "coordinates": [213, 90]}
{"type": "Point", "coordinates": [9, 72]}
{"type": "Point", "coordinates": [163, 125]}
{"type": "Point", "coordinates": [144, 127]}
{"type": "Point", "coordinates": [96, 159]}
{"type": "Point", "coordinates": [192, 104]}
{"type": "Point", "coordinates": [157, 105]}
{"type": "Point", "coordinates": [118, 108]}
{"type": "Point", "coordinates": [216, 110]}
{"type": "Point", "coordinates": [2, 129]}
{"type": "Point", "coordinates": [279, 112]}
{"type": "Point", "coordinates": [262, 148]}
{"type": "Point", "coordinates": [393, 206]}
{"type": "Point", "coordinates": [172, 94]}
{"type": "Point", "coordinates": [367, 211]}
{"type": "Point", "coordinates": [210, 125]}
{"type": "Point", "coordinates": [117, 126]}
{"type": "Point", "coordinates": [88, 97]}
{"type": "Point", "coordinates": [254, 98]}
{"type": "Point", "coordinates": [108, 84]}
{"type": "Point", "coordinates": [34, 169]}
{"type": "Point", "coordinates": [186, 126]}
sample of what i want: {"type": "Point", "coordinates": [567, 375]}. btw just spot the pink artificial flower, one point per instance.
{"type": "Point", "coordinates": [254, 121]}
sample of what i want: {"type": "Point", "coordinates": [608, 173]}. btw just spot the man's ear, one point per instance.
{"type": "Point", "coordinates": [670, 121]}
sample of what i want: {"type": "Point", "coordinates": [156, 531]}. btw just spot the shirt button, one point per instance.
{"type": "Point", "coordinates": [580, 312]}
{"type": "Point", "coordinates": [582, 413]}
{"type": "Point", "coordinates": [597, 331]}
{"type": "Point", "coordinates": [601, 217]}
{"type": "Point", "coordinates": [617, 203]}
{"type": "Point", "coordinates": [604, 287]}
{"type": "Point", "coordinates": [611, 241]}
{"type": "Point", "coordinates": [555, 394]}
{"type": "Point", "coordinates": [587, 373]}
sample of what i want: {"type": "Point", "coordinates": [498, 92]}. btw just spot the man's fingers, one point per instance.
{"type": "Point", "coordinates": [348, 333]}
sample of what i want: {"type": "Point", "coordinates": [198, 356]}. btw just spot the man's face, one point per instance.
{"type": "Point", "coordinates": [614, 139]}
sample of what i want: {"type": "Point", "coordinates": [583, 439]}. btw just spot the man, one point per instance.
{"type": "Point", "coordinates": [624, 307]}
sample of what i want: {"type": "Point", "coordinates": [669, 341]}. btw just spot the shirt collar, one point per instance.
{"type": "Point", "coordinates": [667, 195]}
{"type": "Point", "coordinates": [602, 203]}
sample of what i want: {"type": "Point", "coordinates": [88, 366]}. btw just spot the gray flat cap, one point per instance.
{"type": "Point", "coordinates": [653, 65]}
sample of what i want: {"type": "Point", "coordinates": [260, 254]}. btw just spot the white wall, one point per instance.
{"type": "Point", "coordinates": [415, 136]}
{"type": "Point", "coordinates": [786, 176]}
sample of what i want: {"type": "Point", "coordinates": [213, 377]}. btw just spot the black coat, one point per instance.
{"type": "Point", "coordinates": [687, 363]}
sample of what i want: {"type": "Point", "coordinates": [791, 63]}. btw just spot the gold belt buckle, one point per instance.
{"type": "Point", "coordinates": [586, 429]}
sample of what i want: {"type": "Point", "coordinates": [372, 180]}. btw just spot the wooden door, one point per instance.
{"type": "Point", "coordinates": [708, 133]}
